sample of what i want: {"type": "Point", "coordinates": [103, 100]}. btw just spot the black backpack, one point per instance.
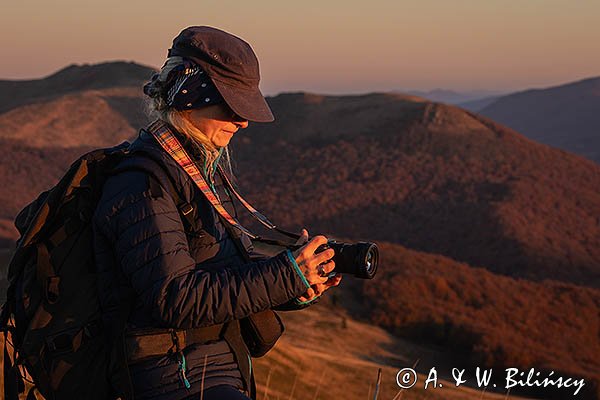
{"type": "Point", "coordinates": [51, 318]}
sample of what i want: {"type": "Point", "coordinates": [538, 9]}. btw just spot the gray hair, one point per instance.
{"type": "Point", "coordinates": [156, 107]}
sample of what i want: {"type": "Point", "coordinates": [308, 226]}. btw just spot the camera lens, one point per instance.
{"type": "Point", "coordinates": [367, 268]}
{"type": "Point", "coordinates": [359, 259]}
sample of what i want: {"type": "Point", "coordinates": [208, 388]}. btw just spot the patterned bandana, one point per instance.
{"type": "Point", "coordinates": [186, 87]}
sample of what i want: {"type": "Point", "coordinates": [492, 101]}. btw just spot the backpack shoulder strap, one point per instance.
{"type": "Point", "coordinates": [155, 183]}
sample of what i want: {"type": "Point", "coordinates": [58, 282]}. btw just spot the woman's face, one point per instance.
{"type": "Point", "coordinates": [218, 122]}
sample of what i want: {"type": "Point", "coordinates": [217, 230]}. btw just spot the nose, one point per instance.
{"type": "Point", "coordinates": [242, 124]}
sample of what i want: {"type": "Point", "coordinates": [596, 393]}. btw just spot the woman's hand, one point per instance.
{"type": "Point", "coordinates": [315, 267]}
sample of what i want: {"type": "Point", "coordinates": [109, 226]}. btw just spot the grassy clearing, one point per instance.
{"type": "Point", "coordinates": [319, 358]}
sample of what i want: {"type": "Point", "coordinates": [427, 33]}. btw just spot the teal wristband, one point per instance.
{"type": "Point", "coordinates": [297, 268]}
{"type": "Point", "coordinates": [302, 303]}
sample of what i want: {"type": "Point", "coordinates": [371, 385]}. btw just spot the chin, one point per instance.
{"type": "Point", "coordinates": [221, 144]}
{"type": "Point", "coordinates": [224, 141]}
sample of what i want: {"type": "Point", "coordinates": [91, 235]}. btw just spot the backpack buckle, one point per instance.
{"type": "Point", "coordinates": [186, 209]}
{"type": "Point", "coordinates": [70, 340]}
{"type": "Point", "coordinates": [61, 342]}
{"type": "Point", "coordinates": [52, 289]}
{"type": "Point", "coordinates": [92, 329]}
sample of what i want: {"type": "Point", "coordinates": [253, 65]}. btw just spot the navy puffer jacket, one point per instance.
{"type": "Point", "coordinates": [158, 272]}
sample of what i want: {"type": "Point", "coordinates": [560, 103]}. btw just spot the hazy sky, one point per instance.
{"type": "Point", "coordinates": [325, 46]}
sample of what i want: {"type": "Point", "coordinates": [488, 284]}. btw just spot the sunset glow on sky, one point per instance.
{"type": "Point", "coordinates": [325, 46]}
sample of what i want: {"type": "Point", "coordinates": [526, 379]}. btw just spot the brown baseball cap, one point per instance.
{"type": "Point", "coordinates": [231, 64]}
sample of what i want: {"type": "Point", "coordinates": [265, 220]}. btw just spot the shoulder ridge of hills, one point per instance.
{"type": "Point", "coordinates": [73, 78]}
{"type": "Point", "coordinates": [588, 84]}
{"type": "Point", "coordinates": [75, 70]}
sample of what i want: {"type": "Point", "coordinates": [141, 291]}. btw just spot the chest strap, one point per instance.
{"type": "Point", "coordinates": [144, 344]}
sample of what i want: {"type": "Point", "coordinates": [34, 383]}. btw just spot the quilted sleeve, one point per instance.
{"type": "Point", "coordinates": [150, 246]}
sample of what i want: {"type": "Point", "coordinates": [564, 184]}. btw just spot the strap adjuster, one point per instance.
{"type": "Point", "coordinates": [186, 208]}
{"type": "Point", "coordinates": [70, 340]}
{"type": "Point", "coordinates": [61, 343]}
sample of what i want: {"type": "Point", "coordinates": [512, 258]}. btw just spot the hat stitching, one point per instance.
{"type": "Point", "coordinates": [228, 83]}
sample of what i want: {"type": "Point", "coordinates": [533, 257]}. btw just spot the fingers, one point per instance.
{"type": "Point", "coordinates": [308, 249]}
{"type": "Point", "coordinates": [308, 295]}
{"type": "Point", "coordinates": [310, 263]}
{"type": "Point", "coordinates": [317, 241]}
{"type": "Point", "coordinates": [312, 273]}
{"type": "Point", "coordinates": [324, 256]}
{"type": "Point", "coordinates": [316, 278]}
{"type": "Point", "coordinates": [320, 288]}
{"type": "Point", "coordinates": [327, 268]}
{"type": "Point", "coordinates": [334, 281]}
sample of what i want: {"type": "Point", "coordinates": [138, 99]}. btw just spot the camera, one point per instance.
{"type": "Point", "coordinates": [357, 259]}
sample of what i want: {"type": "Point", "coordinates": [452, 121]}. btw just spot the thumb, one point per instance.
{"type": "Point", "coordinates": [303, 237]}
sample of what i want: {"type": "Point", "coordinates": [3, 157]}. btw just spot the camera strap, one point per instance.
{"type": "Point", "coordinates": [163, 135]}
{"type": "Point", "coordinates": [167, 140]}
{"type": "Point", "coordinates": [256, 214]}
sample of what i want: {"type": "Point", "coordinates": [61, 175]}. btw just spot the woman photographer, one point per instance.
{"type": "Point", "coordinates": [172, 260]}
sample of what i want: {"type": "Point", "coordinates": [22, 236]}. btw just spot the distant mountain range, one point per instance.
{"type": "Point", "coordinates": [453, 97]}
{"type": "Point", "coordinates": [475, 216]}
{"type": "Point", "coordinates": [478, 104]}
{"type": "Point", "coordinates": [565, 116]}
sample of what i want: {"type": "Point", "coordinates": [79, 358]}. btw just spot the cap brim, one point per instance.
{"type": "Point", "coordinates": [248, 103]}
